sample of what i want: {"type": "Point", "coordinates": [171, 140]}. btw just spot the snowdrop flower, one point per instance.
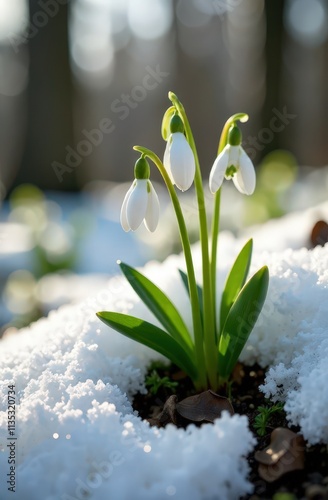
{"type": "Point", "coordinates": [233, 163]}
{"type": "Point", "coordinates": [179, 159]}
{"type": "Point", "coordinates": [141, 201]}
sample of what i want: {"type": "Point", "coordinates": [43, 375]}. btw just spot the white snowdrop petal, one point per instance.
{"type": "Point", "coordinates": [218, 170]}
{"type": "Point", "coordinates": [238, 182]}
{"type": "Point", "coordinates": [166, 159]}
{"type": "Point", "coordinates": [246, 177]}
{"type": "Point", "coordinates": [182, 162]}
{"type": "Point", "coordinates": [234, 155]}
{"type": "Point", "coordinates": [137, 204]}
{"type": "Point", "coordinates": [152, 212]}
{"type": "Point", "coordinates": [123, 218]}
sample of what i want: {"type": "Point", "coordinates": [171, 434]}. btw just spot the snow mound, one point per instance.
{"type": "Point", "coordinates": [110, 455]}
{"type": "Point", "coordinates": [77, 434]}
{"type": "Point", "coordinates": [291, 337]}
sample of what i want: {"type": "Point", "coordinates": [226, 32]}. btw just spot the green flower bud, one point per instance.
{"type": "Point", "coordinates": [142, 169]}
{"type": "Point", "coordinates": [234, 136]}
{"type": "Point", "coordinates": [176, 124]}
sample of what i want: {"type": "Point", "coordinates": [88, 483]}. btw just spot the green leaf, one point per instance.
{"type": "Point", "coordinates": [184, 277]}
{"type": "Point", "coordinates": [235, 280]}
{"type": "Point", "coordinates": [160, 305]}
{"type": "Point", "coordinates": [241, 320]}
{"type": "Point", "coordinates": [151, 336]}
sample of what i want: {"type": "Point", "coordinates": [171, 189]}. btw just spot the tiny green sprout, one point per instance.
{"type": "Point", "coordinates": [265, 413]}
{"type": "Point", "coordinates": [154, 382]}
{"type": "Point", "coordinates": [284, 495]}
{"type": "Point", "coordinates": [208, 351]}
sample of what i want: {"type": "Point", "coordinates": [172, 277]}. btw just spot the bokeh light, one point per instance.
{"type": "Point", "coordinates": [150, 19]}
{"type": "Point", "coordinates": [13, 18]}
{"type": "Point", "coordinates": [307, 21]}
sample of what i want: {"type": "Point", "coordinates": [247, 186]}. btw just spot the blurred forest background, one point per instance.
{"type": "Point", "coordinates": [69, 67]}
{"type": "Point", "coordinates": [82, 81]}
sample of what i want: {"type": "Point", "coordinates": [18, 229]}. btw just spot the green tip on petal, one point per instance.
{"type": "Point", "coordinates": [234, 136]}
{"type": "Point", "coordinates": [142, 169]}
{"type": "Point", "coordinates": [230, 172]}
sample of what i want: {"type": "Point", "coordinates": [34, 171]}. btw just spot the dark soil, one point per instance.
{"type": "Point", "coordinates": [310, 483]}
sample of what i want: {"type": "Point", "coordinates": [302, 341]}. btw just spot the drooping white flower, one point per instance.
{"type": "Point", "coordinates": [233, 163]}
{"type": "Point", "coordinates": [141, 201]}
{"type": "Point", "coordinates": [179, 159]}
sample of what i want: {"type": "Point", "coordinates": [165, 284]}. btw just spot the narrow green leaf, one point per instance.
{"type": "Point", "coordinates": [160, 305]}
{"type": "Point", "coordinates": [241, 320]}
{"type": "Point", "coordinates": [184, 278]}
{"type": "Point", "coordinates": [235, 280]}
{"type": "Point", "coordinates": [151, 336]}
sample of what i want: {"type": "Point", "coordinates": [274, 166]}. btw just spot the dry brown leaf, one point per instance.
{"type": "Point", "coordinates": [319, 233]}
{"type": "Point", "coordinates": [284, 454]}
{"type": "Point", "coordinates": [168, 414]}
{"type": "Point", "coordinates": [206, 406]}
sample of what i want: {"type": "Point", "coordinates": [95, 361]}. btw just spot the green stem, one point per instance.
{"type": "Point", "coordinates": [215, 240]}
{"type": "Point", "coordinates": [243, 117]}
{"type": "Point", "coordinates": [208, 306]}
{"type": "Point", "coordinates": [196, 315]}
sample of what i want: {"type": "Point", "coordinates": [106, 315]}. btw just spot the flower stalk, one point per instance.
{"type": "Point", "coordinates": [243, 118]}
{"type": "Point", "coordinates": [209, 355]}
{"type": "Point", "coordinates": [209, 318]}
{"type": "Point", "coordinates": [195, 308]}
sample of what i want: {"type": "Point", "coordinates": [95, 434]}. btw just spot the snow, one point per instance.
{"type": "Point", "coordinates": [77, 434]}
{"type": "Point", "coordinates": [115, 456]}
{"type": "Point", "coordinates": [292, 338]}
